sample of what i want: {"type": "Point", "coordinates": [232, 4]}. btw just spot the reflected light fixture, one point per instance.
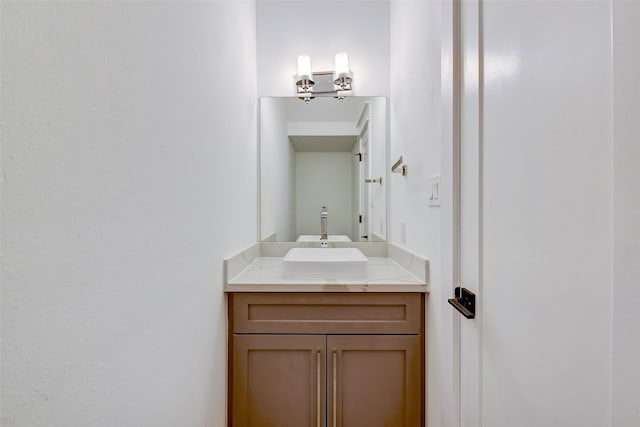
{"type": "Point", "coordinates": [336, 83]}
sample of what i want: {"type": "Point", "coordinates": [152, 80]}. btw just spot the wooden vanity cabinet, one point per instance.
{"type": "Point", "coordinates": [278, 380]}
{"type": "Point", "coordinates": [326, 360]}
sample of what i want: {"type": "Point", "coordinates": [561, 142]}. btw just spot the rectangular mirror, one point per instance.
{"type": "Point", "coordinates": [325, 153]}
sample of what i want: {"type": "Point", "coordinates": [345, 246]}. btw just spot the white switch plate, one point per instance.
{"type": "Point", "coordinates": [434, 191]}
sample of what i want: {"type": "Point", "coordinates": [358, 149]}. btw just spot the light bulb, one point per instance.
{"type": "Point", "coordinates": [342, 65]}
{"type": "Point", "coordinates": [304, 67]}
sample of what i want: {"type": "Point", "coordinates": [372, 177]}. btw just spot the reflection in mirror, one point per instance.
{"type": "Point", "coordinates": [324, 153]}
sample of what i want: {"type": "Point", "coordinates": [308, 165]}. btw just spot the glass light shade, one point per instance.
{"type": "Point", "coordinates": [304, 67]}
{"type": "Point", "coordinates": [342, 65]}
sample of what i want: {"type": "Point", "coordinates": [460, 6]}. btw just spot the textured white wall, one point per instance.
{"type": "Point", "coordinates": [277, 174]}
{"type": "Point", "coordinates": [322, 28]}
{"type": "Point", "coordinates": [323, 179]}
{"type": "Point", "coordinates": [626, 211]}
{"type": "Point", "coordinates": [415, 120]}
{"type": "Point", "coordinates": [129, 171]}
{"type": "Point", "coordinates": [415, 116]}
{"type": "Point", "coordinates": [546, 214]}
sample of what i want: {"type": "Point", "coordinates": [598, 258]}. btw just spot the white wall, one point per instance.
{"type": "Point", "coordinates": [546, 214]}
{"type": "Point", "coordinates": [277, 173]}
{"type": "Point", "coordinates": [129, 171]}
{"type": "Point", "coordinates": [415, 121]}
{"type": "Point", "coordinates": [321, 28]}
{"type": "Point", "coordinates": [626, 211]}
{"type": "Point", "coordinates": [323, 179]}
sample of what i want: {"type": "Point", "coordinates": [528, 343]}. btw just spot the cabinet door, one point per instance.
{"type": "Point", "coordinates": [278, 381]}
{"type": "Point", "coordinates": [374, 381]}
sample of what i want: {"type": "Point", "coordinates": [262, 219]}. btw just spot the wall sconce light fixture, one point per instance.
{"type": "Point", "coordinates": [343, 75]}
{"type": "Point", "coordinates": [336, 83]}
{"type": "Point", "coordinates": [303, 79]}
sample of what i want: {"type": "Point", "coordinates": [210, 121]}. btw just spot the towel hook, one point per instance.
{"type": "Point", "coordinates": [399, 167]}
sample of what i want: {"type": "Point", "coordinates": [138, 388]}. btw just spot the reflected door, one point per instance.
{"type": "Point", "coordinates": [356, 190]}
{"type": "Point", "coordinates": [364, 187]}
{"type": "Point", "coordinates": [361, 196]}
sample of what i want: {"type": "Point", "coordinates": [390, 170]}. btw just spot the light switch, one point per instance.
{"type": "Point", "coordinates": [434, 191]}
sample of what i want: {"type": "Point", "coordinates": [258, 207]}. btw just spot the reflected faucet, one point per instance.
{"type": "Point", "coordinates": [324, 215]}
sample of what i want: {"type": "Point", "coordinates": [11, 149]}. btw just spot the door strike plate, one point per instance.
{"type": "Point", "coordinates": [464, 302]}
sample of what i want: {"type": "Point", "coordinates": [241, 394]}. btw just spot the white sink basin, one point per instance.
{"type": "Point", "coordinates": [330, 238]}
{"type": "Point", "coordinates": [325, 263]}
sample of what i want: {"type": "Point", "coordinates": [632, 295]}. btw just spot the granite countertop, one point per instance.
{"type": "Point", "coordinates": [265, 274]}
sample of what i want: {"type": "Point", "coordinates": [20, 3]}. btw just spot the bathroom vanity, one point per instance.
{"type": "Point", "coordinates": [326, 352]}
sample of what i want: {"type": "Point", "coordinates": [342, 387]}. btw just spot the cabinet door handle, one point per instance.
{"type": "Point", "coordinates": [318, 420]}
{"type": "Point", "coordinates": [335, 387]}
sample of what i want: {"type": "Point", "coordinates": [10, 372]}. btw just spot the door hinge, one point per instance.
{"type": "Point", "coordinates": [359, 156]}
{"type": "Point", "coordinates": [360, 219]}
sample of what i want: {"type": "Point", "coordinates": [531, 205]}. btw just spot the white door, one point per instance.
{"type": "Point", "coordinates": [365, 187]}
{"type": "Point", "coordinates": [534, 215]}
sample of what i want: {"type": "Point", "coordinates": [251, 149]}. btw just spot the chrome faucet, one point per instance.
{"type": "Point", "coordinates": [324, 215]}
